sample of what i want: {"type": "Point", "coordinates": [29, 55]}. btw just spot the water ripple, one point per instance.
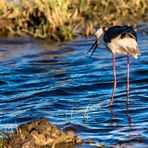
{"type": "Point", "coordinates": [61, 82]}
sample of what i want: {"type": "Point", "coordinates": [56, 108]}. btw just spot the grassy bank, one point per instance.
{"type": "Point", "coordinates": [64, 19]}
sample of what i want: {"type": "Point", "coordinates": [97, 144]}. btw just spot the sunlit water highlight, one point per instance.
{"type": "Point", "coordinates": [60, 82]}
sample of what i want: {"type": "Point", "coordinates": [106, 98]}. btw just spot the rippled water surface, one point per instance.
{"type": "Point", "coordinates": [59, 81]}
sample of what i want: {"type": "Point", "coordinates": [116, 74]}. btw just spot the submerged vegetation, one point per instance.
{"type": "Point", "coordinates": [64, 19]}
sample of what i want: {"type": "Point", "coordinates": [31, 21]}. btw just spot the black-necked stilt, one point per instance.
{"type": "Point", "coordinates": [119, 40]}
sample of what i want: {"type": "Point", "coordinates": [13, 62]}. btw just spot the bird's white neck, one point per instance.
{"type": "Point", "coordinates": [99, 35]}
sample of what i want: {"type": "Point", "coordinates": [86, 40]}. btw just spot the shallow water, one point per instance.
{"type": "Point", "coordinates": [61, 82]}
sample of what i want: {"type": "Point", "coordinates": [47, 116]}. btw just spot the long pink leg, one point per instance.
{"type": "Point", "coordinates": [114, 68]}
{"type": "Point", "coordinates": [127, 85]}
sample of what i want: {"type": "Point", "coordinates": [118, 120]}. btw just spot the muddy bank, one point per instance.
{"type": "Point", "coordinates": [39, 133]}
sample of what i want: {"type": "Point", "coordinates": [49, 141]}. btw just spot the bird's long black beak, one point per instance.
{"type": "Point", "coordinates": [93, 47]}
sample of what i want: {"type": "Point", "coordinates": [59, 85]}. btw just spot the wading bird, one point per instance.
{"type": "Point", "coordinates": [119, 40]}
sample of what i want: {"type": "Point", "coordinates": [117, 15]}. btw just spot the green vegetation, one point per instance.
{"type": "Point", "coordinates": [63, 19]}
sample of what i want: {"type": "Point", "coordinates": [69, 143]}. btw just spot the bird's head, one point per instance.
{"type": "Point", "coordinates": [99, 34]}
{"type": "Point", "coordinates": [99, 39]}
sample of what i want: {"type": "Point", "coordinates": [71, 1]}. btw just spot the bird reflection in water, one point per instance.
{"type": "Point", "coordinates": [129, 118]}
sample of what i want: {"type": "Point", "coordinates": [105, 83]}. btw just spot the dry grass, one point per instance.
{"type": "Point", "coordinates": [62, 20]}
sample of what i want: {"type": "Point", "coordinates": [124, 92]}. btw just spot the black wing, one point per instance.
{"type": "Point", "coordinates": [115, 31]}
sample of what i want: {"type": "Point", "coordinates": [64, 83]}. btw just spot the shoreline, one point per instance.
{"type": "Point", "coordinates": [43, 19]}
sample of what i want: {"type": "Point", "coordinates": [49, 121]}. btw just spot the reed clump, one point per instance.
{"type": "Point", "coordinates": [64, 19]}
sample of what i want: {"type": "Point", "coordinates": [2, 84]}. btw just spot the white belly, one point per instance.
{"type": "Point", "coordinates": [124, 46]}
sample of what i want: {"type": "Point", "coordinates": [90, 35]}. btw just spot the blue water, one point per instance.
{"type": "Point", "coordinates": [60, 81]}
